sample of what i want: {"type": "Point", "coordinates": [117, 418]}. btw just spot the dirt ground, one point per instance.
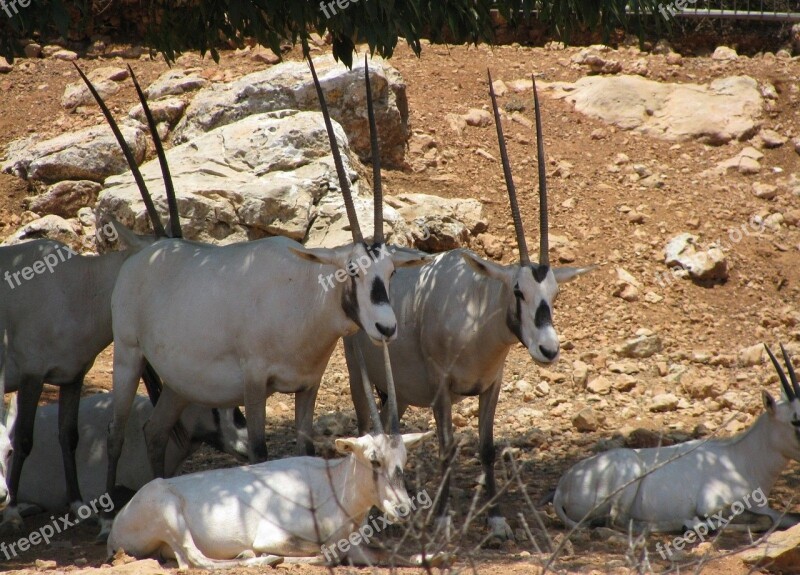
{"type": "Point", "coordinates": [702, 327]}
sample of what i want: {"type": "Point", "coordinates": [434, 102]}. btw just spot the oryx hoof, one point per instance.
{"type": "Point", "coordinates": [500, 528]}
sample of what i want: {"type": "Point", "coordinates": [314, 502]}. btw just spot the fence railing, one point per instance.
{"type": "Point", "coordinates": [763, 10]}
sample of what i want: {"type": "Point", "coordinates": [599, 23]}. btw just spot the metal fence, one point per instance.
{"type": "Point", "coordinates": [762, 10]}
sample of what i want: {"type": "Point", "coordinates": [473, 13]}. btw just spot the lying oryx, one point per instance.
{"type": "Point", "coordinates": [231, 325]}
{"type": "Point", "coordinates": [458, 317]}
{"type": "Point", "coordinates": [284, 508]}
{"type": "Point", "coordinates": [41, 485]}
{"type": "Point", "coordinates": [55, 314]}
{"type": "Point", "coordinates": [690, 484]}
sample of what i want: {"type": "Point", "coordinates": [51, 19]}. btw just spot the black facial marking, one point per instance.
{"type": "Point", "coordinates": [514, 321]}
{"type": "Point", "coordinates": [350, 302]}
{"type": "Point", "coordinates": [542, 317]}
{"type": "Point", "coordinates": [539, 272]}
{"type": "Point", "coordinates": [518, 292]}
{"type": "Point", "coordinates": [377, 294]}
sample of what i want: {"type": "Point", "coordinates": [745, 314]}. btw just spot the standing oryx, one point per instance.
{"type": "Point", "coordinates": [231, 325]}
{"type": "Point", "coordinates": [293, 507]}
{"type": "Point", "coordinates": [56, 324]}
{"type": "Point", "coordinates": [703, 484]}
{"type": "Point", "coordinates": [458, 317]}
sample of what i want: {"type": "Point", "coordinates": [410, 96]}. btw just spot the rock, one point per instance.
{"type": "Point", "coordinates": [66, 198]}
{"type": "Point", "coordinates": [796, 144]}
{"type": "Point", "coordinates": [335, 423]}
{"type": "Point", "coordinates": [492, 245]}
{"type": "Point", "coordinates": [113, 73]}
{"type": "Point", "coordinates": [168, 110]}
{"type": "Point", "coordinates": [639, 67]}
{"type": "Point", "coordinates": [702, 387]}
{"type": "Point", "coordinates": [266, 174]}
{"type": "Point", "coordinates": [289, 86]}
{"type": "Point", "coordinates": [663, 402]}
{"type": "Point", "coordinates": [706, 265]}
{"type": "Point", "coordinates": [752, 355]}
{"type": "Point", "coordinates": [50, 49]}
{"type": "Point", "coordinates": [67, 55]}
{"type": "Point", "coordinates": [587, 419]}
{"type": "Point", "coordinates": [726, 109]}
{"type": "Point", "coordinates": [523, 386]}
{"type": "Point", "coordinates": [459, 420]}
{"type": "Point", "coordinates": [88, 154]}
{"type": "Point", "coordinates": [174, 83]}
{"type": "Point", "coordinates": [599, 385]}
{"type": "Point", "coordinates": [5, 66]}
{"type": "Point", "coordinates": [500, 88]}
{"type": "Point", "coordinates": [626, 292]}
{"type": "Point", "coordinates": [126, 565]}
{"type": "Point", "coordinates": [764, 191]}
{"type": "Point", "coordinates": [580, 372]}
{"type": "Point", "coordinates": [598, 63]}
{"type": "Point", "coordinates": [50, 227]}
{"type": "Point", "coordinates": [265, 56]}
{"type": "Point", "coordinates": [641, 346]}
{"type": "Point", "coordinates": [542, 389]}
{"type": "Point", "coordinates": [746, 162]}
{"type": "Point", "coordinates": [772, 139]}
{"type": "Point", "coordinates": [44, 565]}
{"type": "Point", "coordinates": [724, 54]}
{"type": "Point", "coordinates": [78, 94]}
{"type": "Point", "coordinates": [779, 552]}
{"type": "Point", "coordinates": [624, 383]}
{"type": "Point", "coordinates": [674, 59]}
{"type": "Point", "coordinates": [33, 50]}
{"type": "Point", "coordinates": [477, 118]}
{"type": "Point", "coordinates": [456, 123]}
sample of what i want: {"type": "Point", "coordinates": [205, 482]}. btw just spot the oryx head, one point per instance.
{"type": "Point", "coordinates": [8, 416]}
{"type": "Point", "coordinates": [384, 453]}
{"type": "Point", "coordinates": [532, 287]}
{"type": "Point", "coordinates": [785, 415]}
{"type": "Point", "coordinates": [223, 429]}
{"type": "Point", "coordinates": [362, 271]}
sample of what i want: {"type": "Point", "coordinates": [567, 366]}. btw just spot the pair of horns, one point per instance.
{"type": "Point", "coordinates": [344, 182]}
{"type": "Point", "coordinates": [174, 222]}
{"type": "Point", "coordinates": [792, 392]}
{"type": "Point", "coordinates": [394, 419]}
{"type": "Point", "coordinates": [524, 258]}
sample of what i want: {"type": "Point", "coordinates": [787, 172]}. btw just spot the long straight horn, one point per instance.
{"type": "Point", "coordinates": [137, 175]}
{"type": "Point", "coordinates": [344, 183]}
{"type": "Point", "coordinates": [172, 202]}
{"type": "Point", "coordinates": [512, 190]}
{"type": "Point", "coordinates": [377, 188]}
{"type": "Point", "coordinates": [394, 418]}
{"type": "Point", "coordinates": [374, 416]}
{"type": "Point", "coordinates": [792, 376]}
{"type": "Point", "coordinates": [787, 390]}
{"type": "Point", "coordinates": [544, 246]}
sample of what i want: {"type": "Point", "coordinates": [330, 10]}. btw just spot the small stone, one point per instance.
{"type": "Point", "coordinates": [456, 123]}
{"type": "Point", "coordinates": [599, 385]}
{"type": "Point", "coordinates": [748, 166]}
{"type": "Point", "coordinates": [44, 564]}
{"type": "Point", "coordinates": [624, 383]}
{"type": "Point", "coordinates": [674, 59]}
{"type": "Point", "coordinates": [67, 55]}
{"type": "Point", "coordinates": [492, 245]}
{"type": "Point", "coordinates": [598, 134]}
{"type": "Point", "coordinates": [459, 420]}
{"type": "Point", "coordinates": [33, 50]}
{"type": "Point", "coordinates": [580, 372]}
{"type": "Point", "coordinates": [586, 420]}
{"type": "Point", "coordinates": [500, 88]}
{"type": "Point", "coordinates": [653, 297]}
{"type": "Point", "coordinates": [542, 389]}
{"type": "Point", "coordinates": [772, 139]}
{"type": "Point", "coordinates": [663, 402]}
{"type": "Point", "coordinates": [723, 53]}
{"type": "Point", "coordinates": [641, 346]}
{"type": "Point", "coordinates": [627, 292]}
{"type": "Point", "coordinates": [752, 355]}
{"type": "Point", "coordinates": [477, 118]}
{"type": "Point", "coordinates": [764, 191]}
{"type": "Point", "coordinates": [5, 66]}
{"type": "Point", "coordinates": [523, 386]}
{"type": "Point", "coordinates": [621, 159]}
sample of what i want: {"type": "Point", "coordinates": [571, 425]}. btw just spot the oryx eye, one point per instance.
{"type": "Point", "coordinates": [518, 292]}
{"type": "Point", "coordinates": [796, 423]}
{"type": "Point", "coordinates": [375, 464]}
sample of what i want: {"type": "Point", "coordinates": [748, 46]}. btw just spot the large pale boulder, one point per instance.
{"type": "Point", "coordinates": [726, 109]}
{"type": "Point", "coordinates": [289, 86]}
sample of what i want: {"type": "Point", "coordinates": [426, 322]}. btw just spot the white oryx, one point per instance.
{"type": "Point", "coordinates": [686, 485]}
{"type": "Point", "coordinates": [231, 325]}
{"type": "Point", "coordinates": [41, 486]}
{"type": "Point", "coordinates": [458, 317]}
{"type": "Point", "coordinates": [54, 326]}
{"type": "Point", "coordinates": [258, 514]}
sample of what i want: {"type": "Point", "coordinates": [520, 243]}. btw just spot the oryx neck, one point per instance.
{"type": "Point", "coordinates": [767, 464]}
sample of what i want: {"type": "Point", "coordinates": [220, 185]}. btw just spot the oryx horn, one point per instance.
{"type": "Point", "coordinates": [394, 418]}
{"type": "Point", "coordinates": [524, 258]}
{"type": "Point", "coordinates": [377, 188]}
{"type": "Point", "coordinates": [790, 368]}
{"type": "Point", "coordinates": [787, 389]}
{"type": "Point", "coordinates": [137, 175]}
{"type": "Point", "coordinates": [172, 202]}
{"type": "Point", "coordinates": [544, 258]}
{"type": "Point", "coordinates": [344, 183]}
{"type": "Point", "coordinates": [377, 427]}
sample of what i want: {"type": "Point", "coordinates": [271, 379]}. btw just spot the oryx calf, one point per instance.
{"type": "Point", "coordinates": [285, 508]}
{"type": "Point", "coordinates": [458, 317]}
{"type": "Point", "coordinates": [683, 486]}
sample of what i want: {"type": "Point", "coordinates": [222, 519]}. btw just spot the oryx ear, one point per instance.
{"type": "Point", "coordinates": [411, 440]}
{"type": "Point", "coordinates": [324, 256]}
{"type": "Point", "coordinates": [346, 445]}
{"type": "Point", "coordinates": [565, 274]}
{"type": "Point", "coordinates": [487, 268]}
{"type": "Point", "coordinates": [769, 402]}
{"type": "Point", "coordinates": [402, 258]}
{"type": "Point", "coordinates": [113, 230]}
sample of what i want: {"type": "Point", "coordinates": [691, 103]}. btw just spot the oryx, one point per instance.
{"type": "Point", "coordinates": [458, 317]}
{"type": "Point", "coordinates": [56, 324]}
{"type": "Point", "coordinates": [292, 507]}
{"type": "Point", "coordinates": [700, 484]}
{"type": "Point", "coordinates": [231, 325]}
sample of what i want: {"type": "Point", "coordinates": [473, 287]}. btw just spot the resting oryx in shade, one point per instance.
{"type": "Point", "coordinates": [54, 326]}
{"type": "Point", "coordinates": [458, 317]}
{"type": "Point", "coordinates": [41, 486]}
{"type": "Point", "coordinates": [231, 325]}
{"type": "Point", "coordinates": [686, 485]}
{"type": "Point", "coordinates": [284, 508]}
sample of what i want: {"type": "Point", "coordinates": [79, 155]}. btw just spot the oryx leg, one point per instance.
{"type": "Point", "coordinates": [159, 425]}
{"type": "Point", "coordinates": [128, 365]}
{"type": "Point", "coordinates": [487, 404]}
{"type": "Point", "coordinates": [30, 390]}
{"type": "Point", "coordinates": [360, 399]}
{"type": "Point", "coordinates": [443, 414]}
{"type": "Point", "coordinates": [255, 403]}
{"type": "Point", "coordinates": [304, 419]}
{"type": "Point", "coordinates": [69, 402]}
